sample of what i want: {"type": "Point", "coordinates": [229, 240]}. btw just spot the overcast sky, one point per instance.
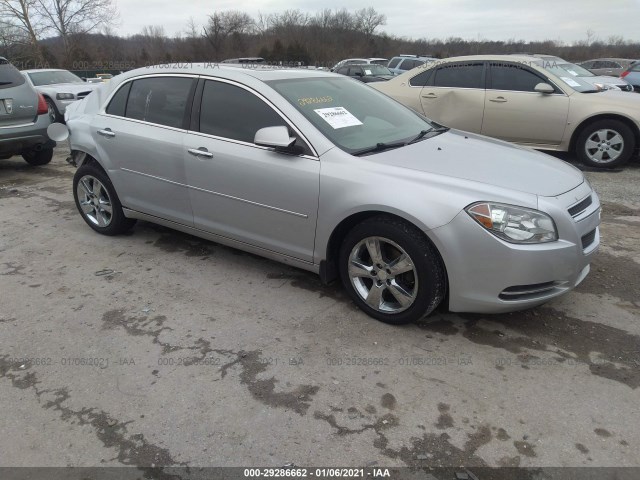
{"type": "Point", "coordinates": [566, 20]}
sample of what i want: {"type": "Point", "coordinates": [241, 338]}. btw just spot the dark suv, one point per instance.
{"type": "Point", "coordinates": [23, 118]}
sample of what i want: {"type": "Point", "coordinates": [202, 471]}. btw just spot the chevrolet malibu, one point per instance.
{"type": "Point", "coordinates": [326, 174]}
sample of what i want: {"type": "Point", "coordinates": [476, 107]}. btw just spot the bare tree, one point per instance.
{"type": "Point", "coordinates": [67, 18]}
{"type": "Point", "coordinates": [367, 20]}
{"type": "Point", "coordinates": [222, 25]}
{"type": "Point", "coordinates": [21, 18]}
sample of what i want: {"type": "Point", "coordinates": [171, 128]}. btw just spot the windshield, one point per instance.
{"type": "Point", "coordinates": [373, 69]}
{"type": "Point", "coordinates": [571, 74]}
{"type": "Point", "coordinates": [351, 114]}
{"type": "Point", "coordinates": [53, 78]}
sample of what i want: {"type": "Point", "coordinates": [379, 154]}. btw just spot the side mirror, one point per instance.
{"type": "Point", "coordinates": [277, 137]}
{"type": "Point", "coordinates": [544, 88]}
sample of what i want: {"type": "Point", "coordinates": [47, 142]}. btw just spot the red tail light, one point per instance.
{"type": "Point", "coordinates": [42, 105]}
{"type": "Point", "coordinates": [624, 74]}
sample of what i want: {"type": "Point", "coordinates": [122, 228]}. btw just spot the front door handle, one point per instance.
{"type": "Point", "coordinates": [200, 152]}
{"type": "Point", "coordinates": [430, 95]}
{"type": "Point", "coordinates": [498, 100]}
{"type": "Point", "coordinates": [106, 133]}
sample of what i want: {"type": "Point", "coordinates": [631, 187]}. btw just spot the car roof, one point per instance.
{"type": "Point", "coordinates": [613, 59]}
{"type": "Point", "coordinates": [34, 70]}
{"type": "Point", "coordinates": [230, 71]}
{"type": "Point", "coordinates": [522, 58]}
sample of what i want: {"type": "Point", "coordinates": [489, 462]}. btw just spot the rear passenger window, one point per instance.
{"type": "Point", "coordinates": [460, 75]}
{"type": "Point", "coordinates": [394, 62]}
{"type": "Point", "coordinates": [508, 76]}
{"type": "Point", "coordinates": [161, 100]}
{"type": "Point", "coordinates": [421, 79]}
{"type": "Point", "coordinates": [118, 104]}
{"type": "Point", "coordinates": [233, 112]}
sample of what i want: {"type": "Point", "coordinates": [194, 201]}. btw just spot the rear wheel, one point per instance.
{"type": "Point", "coordinates": [605, 144]}
{"type": "Point", "coordinates": [391, 270]}
{"type": "Point", "coordinates": [98, 202]}
{"type": "Point", "coordinates": [38, 157]}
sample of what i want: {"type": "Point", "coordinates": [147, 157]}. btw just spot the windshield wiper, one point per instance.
{"type": "Point", "coordinates": [423, 133]}
{"type": "Point", "coordinates": [378, 147]}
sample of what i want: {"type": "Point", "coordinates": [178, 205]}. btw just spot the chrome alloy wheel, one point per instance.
{"type": "Point", "coordinates": [604, 146]}
{"type": "Point", "coordinates": [94, 201]}
{"type": "Point", "coordinates": [383, 275]}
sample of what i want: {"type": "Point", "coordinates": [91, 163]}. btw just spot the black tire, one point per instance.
{"type": "Point", "coordinates": [427, 263]}
{"type": "Point", "coordinates": [53, 113]}
{"type": "Point", "coordinates": [614, 126]}
{"type": "Point", "coordinates": [38, 157]}
{"type": "Point", "coordinates": [117, 222]}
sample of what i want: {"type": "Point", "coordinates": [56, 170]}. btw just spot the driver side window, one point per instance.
{"type": "Point", "coordinates": [229, 111]}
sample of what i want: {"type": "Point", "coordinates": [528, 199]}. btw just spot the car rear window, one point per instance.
{"type": "Point", "coordinates": [409, 64]}
{"type": "Point", "coordinates": [10, 76]}
{"type": "Point", "coordinates": [394, 62]}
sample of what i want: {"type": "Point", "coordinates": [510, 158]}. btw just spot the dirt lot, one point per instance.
{"type": "Point", "coordinates": [186, 352]}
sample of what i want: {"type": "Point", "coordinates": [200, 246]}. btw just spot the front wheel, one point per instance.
{"type": "Point", "coordinates": [52, 112]}
{"type": "Point", "coordinates": [98, 202]}
{"type": "Point", "coordinates": [605, 144]}
{"type": "Point", "coordinates": [391, 270]}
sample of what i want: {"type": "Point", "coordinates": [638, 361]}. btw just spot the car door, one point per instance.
{"type": "Point", "coordinates": [243, 191]}
{"type": "Point", "coordinates": [454, 95]}
{"type": "Point", "coordinates": [515, 112]}
{"type": "Point", "coordinates": [140, 137]}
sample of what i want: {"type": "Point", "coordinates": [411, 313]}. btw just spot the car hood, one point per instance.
{"type": "Point", "coordinates": [481, 159]}
{"type": "Point", "coordinates": [68, 88]}
{"type": "Point", "coordinates": [607, 80]}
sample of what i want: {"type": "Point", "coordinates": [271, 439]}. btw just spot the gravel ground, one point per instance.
{"type": "Point", "coordinates": [185, 352]}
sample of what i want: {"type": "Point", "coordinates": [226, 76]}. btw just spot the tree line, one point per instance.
{"type": "Point", "coordinates": [80, 35]}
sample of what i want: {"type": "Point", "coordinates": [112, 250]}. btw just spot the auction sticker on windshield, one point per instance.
{"type": "Point", "coordinates": [570, 82]}
{"type": "Point", "coordinates": [338, 117]}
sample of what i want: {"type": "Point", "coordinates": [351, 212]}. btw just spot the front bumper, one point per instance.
{"type": "Point", "coordinates": [489, 275]}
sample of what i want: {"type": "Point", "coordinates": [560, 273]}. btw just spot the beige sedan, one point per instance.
{"type": "Point", "coordinates": [524, 100]}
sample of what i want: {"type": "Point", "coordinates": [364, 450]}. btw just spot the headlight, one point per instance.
{"type": "Point", "coordinates": [606, 86]}
{"type": "Point", "coordinates": [65, 96]}
{"type": "Point", "coordinates": [514, 224]}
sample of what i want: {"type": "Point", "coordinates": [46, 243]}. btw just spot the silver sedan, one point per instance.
{"type": "Point", "coordinates": [318, 171]}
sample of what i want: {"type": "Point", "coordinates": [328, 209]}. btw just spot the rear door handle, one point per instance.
{"type": "Point", "coordinates": [498, 100]}
{"type": "Point", "coordinates": [200, 152]}
{"type": "Point", "coordinates": [430, 95]}
{"type": "Point", "coordinates": [106, 133]}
